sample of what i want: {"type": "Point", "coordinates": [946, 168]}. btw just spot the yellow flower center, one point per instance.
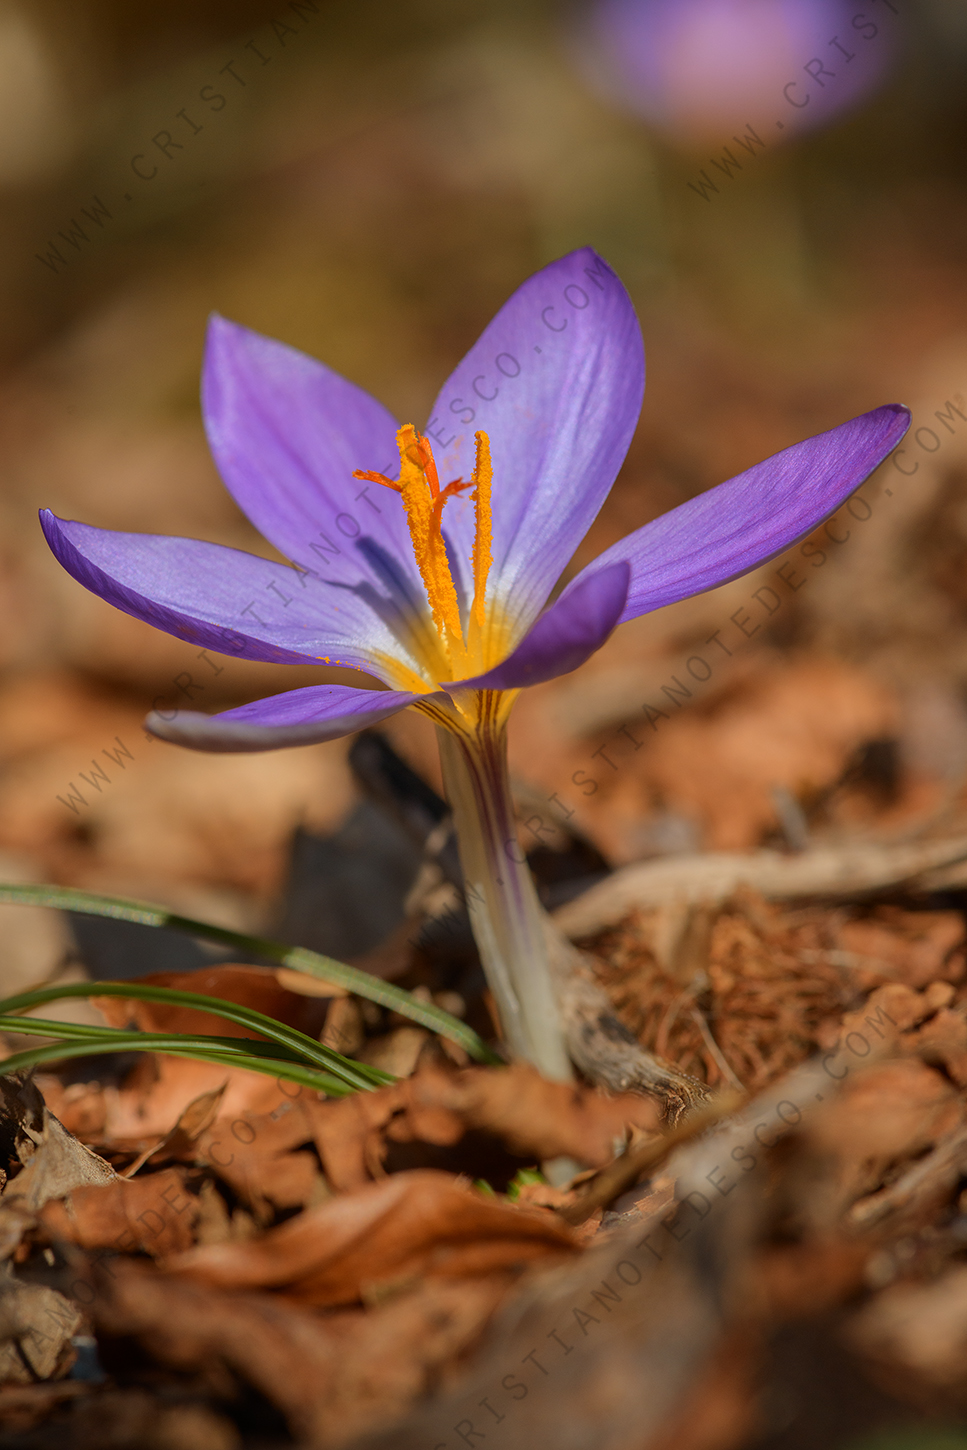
{"type": "Point", "coordinates": [458, 652]}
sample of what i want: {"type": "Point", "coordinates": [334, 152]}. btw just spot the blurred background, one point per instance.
{"type": "Point", "coordinates": [782, 187]}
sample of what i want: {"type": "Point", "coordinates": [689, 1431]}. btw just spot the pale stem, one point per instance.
{"type": "Point", "coordinates": [505, 914]}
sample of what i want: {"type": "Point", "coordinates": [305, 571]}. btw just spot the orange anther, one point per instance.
{"type": "Point", "coordinates": [424, 500]}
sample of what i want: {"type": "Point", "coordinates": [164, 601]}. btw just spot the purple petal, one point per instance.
{"type": "Point", "coordinates": [300, 717]}
{"type": "Point", "coordinates": [748, 520]}
{"type": "Point", "coordinates": [565, 635]}
{"type": "Point", "coordinates": [556, 382]}
{"type": "Point", "coordinates": [221, 598]}
{"type": "Point", "coordinates": [287, 433]}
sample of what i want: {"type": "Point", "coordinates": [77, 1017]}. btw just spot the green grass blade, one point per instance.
{"type": "Point", "coordinates": [50, 1027]}
{"type": "Point", "coordinates": [198, 1049]}
{"type": "Point", "coordinates": [299, 959]}
{"type": "Point", "coordinates": [357, 1074]}
{"type": "Point", "coordinates": [144, 1042]}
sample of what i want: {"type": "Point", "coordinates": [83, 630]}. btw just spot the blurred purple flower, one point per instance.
{"type": "Point", "coordinates": [556, 380]}
{"type": "Point", "coordinates": [702, 69]}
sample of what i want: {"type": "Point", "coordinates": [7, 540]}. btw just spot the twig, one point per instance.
{"type": "Point", "coordinates": [837, 871]}
{"type": "Point", "coordinates": [718, 1056]}
{"type": "Point", "coordinates": [669, 1020]}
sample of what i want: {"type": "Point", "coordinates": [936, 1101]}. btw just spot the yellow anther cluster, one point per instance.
{"type": "Point", "coordinates": [423, 499]}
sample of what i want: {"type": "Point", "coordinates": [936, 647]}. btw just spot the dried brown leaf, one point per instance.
{"type": "Point", "coordinates": [944, 1040]}
{"type": "Point", "coordinates": [418, 1223]}
{"type": "Point", "coordinates": [523, 1109]}
{"type": "Point", "coordinates": [155, 1093]}
{"type": "Point", "coordinates": [333, 1376]}
{"type": "Point", "coordinates": [155, 1214]}
{"type": "Point", "coordinates": [881, 1116]}
{"type": "Point", "coordinates": [180, 1142]}
{"type": "Point", "coordinates": [55, 1162]}
{"type": "Point", "coordinates": [531, 1116]}
{"type": "Point", "coordinates": [36, 1325]}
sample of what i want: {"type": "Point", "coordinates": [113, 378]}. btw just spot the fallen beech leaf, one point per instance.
{"type": "Point", "coordinates": [944, 1039]}
{"type": "Point", "coordinates": [180, 1142]}
{"type": "Point", "coordinates": [889, 1112]}
{"type": "Point", "coordinates": [349, 1134]}
{"type": "Point", "coordinates": [418, 1223]}
{"type": "Point", "coordinates": [886, 1013]}
{"type": "Point", "coordinates": [530, 1114]}
{"type": "Point", "coordinates": [55, 1162]}
{"type": "Point", "coordinates": [254, 1153]}
{"type": "Point", "coordinates": [288, 1180]}
{"type": "Point", "coordinates": [159, 1089]}
{"type": "Point", "coordinates": [36, 1325]}
{"type": "Point", "coordinates": [82, 1107]}
{"type": "Point", "coordinates": [334, 1376]}
{"type": "Point", "coordinates": [248, 1134]}
{"type": "Point", "coordinates": [155, 1213]}
{"type": "Point", "coordinates": [924, 1186]}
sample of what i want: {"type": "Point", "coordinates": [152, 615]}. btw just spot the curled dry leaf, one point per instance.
{"type": "Point", "coordinates": [530, 1114]}
{"type": "Point", "coordinates": [154, 1214]}
{"type": "Point", "coordinates": [923, 1186]}
{"type": "Point", "coordinates": [36, 1325]}
{"type": "Point", "coordinates": [333, 1376]}
{"type": "Point", "coordinates": [436, 1106]}
{"type": "Point", "coordinates": [882, 1115]}
{"type": "Point", "coordinates": [154, 1094]}
{"type": "Point", "coordinates": [180, 1142]}
{"type": "Point", "coordinates": [260, 1154]}
{"type": "Point", "coordinates": [263, 1179]}
{"type": "Point", "coordinates": [422, 1223]}
{"type": "Point", "coordinates": [54, 1161]}
{"type": "Point", "coordinates": [943, 1040]}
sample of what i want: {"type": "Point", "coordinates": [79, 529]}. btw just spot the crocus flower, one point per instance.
{"type": "Point", "coordinates": [702, 69]}
{"type": "Point", "coordinates": [424, 559]}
